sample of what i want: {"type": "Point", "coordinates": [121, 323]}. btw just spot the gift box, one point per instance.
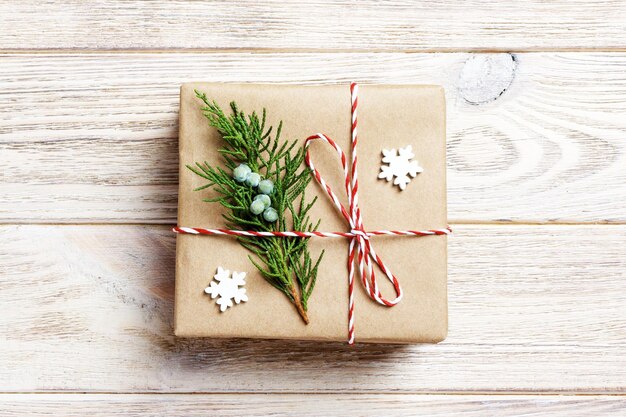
{"type": "Point", "coordinates": [390, 117]}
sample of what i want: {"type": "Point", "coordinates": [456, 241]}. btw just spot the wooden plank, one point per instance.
{"type": "Point", "coordinates": [313, 25]}
{"type": "Point", "coordinates": [532, 308]}
{"type": "Point", "coordinates": [93, 138]}
{"type": "Point", "coordinates": [307, 405]}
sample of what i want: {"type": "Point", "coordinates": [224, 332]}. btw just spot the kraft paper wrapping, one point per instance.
{"type": "Point", "coordinates": [390, 116]}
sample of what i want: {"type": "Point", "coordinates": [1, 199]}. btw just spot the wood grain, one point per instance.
{"type": "Point", "coordinates": [307, 405]}
{"type": "Point", "coordinates": [532, 309]}
{"type": "Point", "coordinates": [93, 138]}
{"type": "Point", "coordinates": [312, 25]}
{"type": "Point", "coordinates": [88, 134]}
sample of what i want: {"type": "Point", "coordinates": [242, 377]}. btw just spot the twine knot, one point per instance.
{"type": "Point", "coordinates": [359, 233]}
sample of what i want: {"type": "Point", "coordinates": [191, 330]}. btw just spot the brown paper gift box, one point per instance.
{"type": "Point", "coordinates": [390, 116]}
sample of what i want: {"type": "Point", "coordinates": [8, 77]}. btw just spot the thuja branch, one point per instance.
{"type": "Point", "coordinates": [262, 186]}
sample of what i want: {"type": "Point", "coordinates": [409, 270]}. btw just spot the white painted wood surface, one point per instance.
{"type": "Point", "coordinates": [532, 308]}
{"type": "Point", "coordinates": [312, 25]}
{"type": "Point", "coordinates": [95, 137]}
{"type": "Point", "coordinates": [309, 405]}
{"type": "Point", "coordinates": [88, 137]}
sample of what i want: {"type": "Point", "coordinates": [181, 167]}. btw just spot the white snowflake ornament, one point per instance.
{"type": "Point", "coordinates": [399, 166]}
{"type": "Point", "coordinates": [227, 288]}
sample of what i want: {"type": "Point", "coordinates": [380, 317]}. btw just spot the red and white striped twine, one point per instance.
{"type": "Point", "coordinates": [360, 248]}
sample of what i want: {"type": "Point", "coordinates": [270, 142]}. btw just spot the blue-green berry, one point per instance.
{"type": "Point", "coordinates": [266, 187]}
{"type": "Point", "coordinates": [265, 199]}
{"type": "Point", "coordinates": [253, 179]}
{"type": "Point", "coordinates": [270, 215]}
{"type": "Point", "coordinates": [241, 173]}
{"type": "Point", "coordinates": [257, 207]}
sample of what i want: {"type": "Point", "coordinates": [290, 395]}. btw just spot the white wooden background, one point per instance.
{"type": "Point", "coordinates": [537, 189]}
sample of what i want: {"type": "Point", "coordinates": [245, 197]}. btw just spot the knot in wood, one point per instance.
{"type": "Point", "coordinates": [485, 77]}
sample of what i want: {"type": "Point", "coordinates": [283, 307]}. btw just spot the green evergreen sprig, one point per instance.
{"type": "Point", "coordinates": [285, 262]}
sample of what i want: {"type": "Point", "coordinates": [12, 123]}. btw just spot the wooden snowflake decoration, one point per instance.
{"type": "Point", "coordinates": [400, 166]}
{"type": "Point", "coordinates": [227, 288]}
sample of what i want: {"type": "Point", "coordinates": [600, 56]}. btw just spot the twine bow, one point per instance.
{"type": "Point", "coordinates": [360, 249]}
{"type": "Point", "coordinates": [360, 246]}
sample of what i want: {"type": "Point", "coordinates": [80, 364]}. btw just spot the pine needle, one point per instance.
{"type": "Point", "coordinates": [284, 262]}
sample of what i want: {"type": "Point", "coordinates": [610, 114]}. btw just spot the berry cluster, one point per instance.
{"type": "Point", "coordinates": [261, 204]}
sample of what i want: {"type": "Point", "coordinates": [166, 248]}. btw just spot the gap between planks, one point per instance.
{"type": "Point", "coordinates": [217, 50]}
{"type": "Point", "coordinates": [443, 394]}
{"type": "Point", "coordinates": [456, 222]}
